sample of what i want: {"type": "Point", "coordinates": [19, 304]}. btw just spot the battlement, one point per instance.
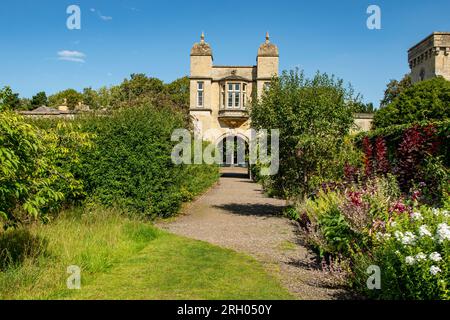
{"type": "Point", "coordinates": [430, 57]}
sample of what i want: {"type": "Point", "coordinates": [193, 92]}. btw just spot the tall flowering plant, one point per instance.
{"type": "Point", "coordinates": [413, 253]}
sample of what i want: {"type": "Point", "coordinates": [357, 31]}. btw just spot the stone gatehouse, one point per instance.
{"type": "Point", "coordinates": [220, 95]}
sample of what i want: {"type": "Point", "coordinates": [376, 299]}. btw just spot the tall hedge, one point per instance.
{"type": "Point", "coordinates": [131, 164]}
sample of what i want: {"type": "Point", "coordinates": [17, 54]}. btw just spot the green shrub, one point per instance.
{"type": "Point", "coordinates": [36, 168]}
{"type": "Point", "coordinates": [327, 230]}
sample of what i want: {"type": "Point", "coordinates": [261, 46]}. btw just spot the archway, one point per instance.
{"type": "Point", "coordinates": [234, 150]}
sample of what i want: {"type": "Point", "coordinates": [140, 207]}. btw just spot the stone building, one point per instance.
{"type": "Point", "coordinates": [430, 57]}
{"type": "Point", "coordinates": [220, 95]}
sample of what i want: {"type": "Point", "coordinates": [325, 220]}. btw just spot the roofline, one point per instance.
{"type": "Point", "coordinates": [428, 37]}
{"type": "Point", "coordinates": [234, 66]}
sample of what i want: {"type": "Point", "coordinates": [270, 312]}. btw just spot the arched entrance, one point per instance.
{"type": "Point", "coordinates": [234, 150]}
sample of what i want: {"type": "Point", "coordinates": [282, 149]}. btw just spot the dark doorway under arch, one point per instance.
{"type": "Point", "coordinates": [235, 151]}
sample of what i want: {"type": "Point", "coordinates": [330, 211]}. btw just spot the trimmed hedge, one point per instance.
{"type": "Point", "coordinates": [129, 165]}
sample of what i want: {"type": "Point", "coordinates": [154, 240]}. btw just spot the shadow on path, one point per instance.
{"type": "Point", "coordinates": [235, 175]}
{"type": "Point", "coordinates": [252, 209]}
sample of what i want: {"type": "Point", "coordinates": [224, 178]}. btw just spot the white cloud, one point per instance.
{"type": "Point", "coordinates": [73, 56]}
{"type": "Point", "coordinates": [104, 18]}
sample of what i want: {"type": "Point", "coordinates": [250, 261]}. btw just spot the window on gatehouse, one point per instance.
{"type": "Point", "coordinates": [200, 93]}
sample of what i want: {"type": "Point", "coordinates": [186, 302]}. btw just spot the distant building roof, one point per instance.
{"type": "Point", "coordinates": [44, 109]}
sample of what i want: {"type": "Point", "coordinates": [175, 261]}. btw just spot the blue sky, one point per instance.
{"type": "Point", "coordinates": [119, 37]}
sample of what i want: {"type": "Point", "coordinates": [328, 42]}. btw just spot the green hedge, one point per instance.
{"type": "Point", "coordinates": [129, 164]}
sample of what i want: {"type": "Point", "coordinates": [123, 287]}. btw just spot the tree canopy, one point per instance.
{"type": "Point", "coordinates": [40, 99]}
{"type": "Point", "coordinates": [425, 101]}
{"type": "Point", "coordinates": [313, 116]}
{"type": "Point", "coordinates": [8, 99]}
{"type": "Point", "coordinates": [71, 96]}
{"type": "Point", "coordinates": [137, 90]}
{"type": "Point", "coordinates": [394, 88]}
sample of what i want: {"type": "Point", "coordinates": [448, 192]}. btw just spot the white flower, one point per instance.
{"type": "Point", "coordinates": [417, 216]}
{"type": "Point", "coordinates": [393, 224]}
{"type": "Point", "coordinates": [410, 260]}
{"type": "Point", "coordinates": [408, 238]}
{"type": "Point", "coordinates": [436, 257]}
{"type": "Point", "coordinates": [398, 235]}
{"type": "Point", "coordinates": [443, 232]}
{"type": "Point", "coordinates": [435, 270]}
{"type": "Point", "coordinates": [438, 212]}
{"type": "Point", "coordinates": [421, 256]}
{"type": "Point", "coordinates": [382, 236]}
{"type": "Point", "coordinates": [424, 232]}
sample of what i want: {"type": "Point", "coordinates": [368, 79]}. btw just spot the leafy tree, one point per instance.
{"type": "Point", "coordinates": [91, 98]}
{"type": "Point", "coordinates": [104, 98]}
{"type": "Point", "coordinates": [179, 91]}
{"type": "Point", "coordinates": [361, 107]}
{"type": "Point", "coordinates": [394, 88]}
{"type": "Point", "coordinates": [313, 116]}
{"type": "Point", "coordinates": [40, 99]}
{"type": "Point", "coordinates": [140, 88]}
{"type": "Point", "coordinates": [25, 104]}
{"type": "Point", "coordinates": [72, 97]}
{"type": "Point", "coordinates": [424, 101]}
{"type": "Point", "coordinates": [8, 99]}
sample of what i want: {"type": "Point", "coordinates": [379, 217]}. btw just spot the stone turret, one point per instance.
{"type": "Point", "coordinates": [201, 48]}
{"type": "Point", "coordinates": [201, 73]}
{"type": "Point", "coordinates": [268, 49]}
{"type": "Point", "coordinates": [267, 63]}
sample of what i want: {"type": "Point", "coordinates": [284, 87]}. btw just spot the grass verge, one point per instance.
{"type": "Point", "coordinates": [123, 258]}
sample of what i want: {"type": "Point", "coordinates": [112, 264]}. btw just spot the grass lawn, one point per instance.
{"type": "Point", "coordinates": [122, 258]}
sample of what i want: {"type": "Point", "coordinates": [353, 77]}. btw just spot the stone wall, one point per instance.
{"type": "Point", "coordinates": [363, 122]}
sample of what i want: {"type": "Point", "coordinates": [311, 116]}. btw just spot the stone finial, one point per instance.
{"type": "Point", "coordinates": [201, 48]}
{"type": "Point", "coordinates": [268, 49]}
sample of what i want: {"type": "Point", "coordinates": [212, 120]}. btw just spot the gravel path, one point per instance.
{"type": "Point", "coordinates": [236, 214]}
